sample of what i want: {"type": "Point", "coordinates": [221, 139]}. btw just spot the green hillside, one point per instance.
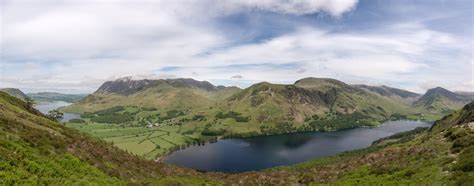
{"type": "Point", "coordinates": [35, 151]}
{"type": "Point", "coordinates": [440, 100]}
{"type": "Point", "coordinates": [15, 93]}
{"type": "Point", "coordinates": [173, 94]}
{"type": "Point", "coordinates": [313, 104]}
{"type": "Point", "coordinates": [54, 96]}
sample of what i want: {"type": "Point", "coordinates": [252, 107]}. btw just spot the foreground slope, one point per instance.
{"type": "Point", "coordinates": [35, 150]}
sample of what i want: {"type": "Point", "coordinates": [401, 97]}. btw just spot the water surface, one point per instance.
{"type": "Point", "coordinates": [232, 155]}
{"type": "Point", "coordinates": [45, 107]}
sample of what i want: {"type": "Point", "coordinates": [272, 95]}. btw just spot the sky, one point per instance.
{"type": "Point", "coordinates": [73, 46]}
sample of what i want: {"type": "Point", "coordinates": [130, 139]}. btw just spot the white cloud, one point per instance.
{"type": "Point", "coordinates": [299, 7]}
{"type": "Point", "coordinates": [76, 45]}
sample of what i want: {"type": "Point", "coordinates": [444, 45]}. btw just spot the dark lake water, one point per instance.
{"type": "Point", "coordinates": [233, 155]}
{"type": "Point", "coordinates": [45, 107]}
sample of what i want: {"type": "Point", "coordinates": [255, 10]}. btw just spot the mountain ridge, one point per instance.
{"type": "Point", "coordinates": [127, 86]}
{"type": "Point", "coordinates": [204, 91]}
{"type": "Point", "coordinates": [55, 96]}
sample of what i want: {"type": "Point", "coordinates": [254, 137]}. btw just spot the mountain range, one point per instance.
{"type": "Point", "coordinates": [308, 104]}
{"type": "Point", "coordinates": [268, 103]}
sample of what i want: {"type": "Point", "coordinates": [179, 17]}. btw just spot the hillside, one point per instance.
{"type": "Point", "coordinates": [394, 93]}
{"type": "Point", "coordinates": [54, 96]}
{"type": "Point", "coordinates": [169, 94]}
{"type": "Point", "coordinates": [15, 92]}
{"type": "Point", "coordinates": [314, 101]}
{"type": "Point", "coordinates": [441, 100]}
{"type": "Point", "coordinates": [35, 150]}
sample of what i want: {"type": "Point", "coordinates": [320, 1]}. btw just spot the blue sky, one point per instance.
{"type": "Point", "coordinates": [74, 46]}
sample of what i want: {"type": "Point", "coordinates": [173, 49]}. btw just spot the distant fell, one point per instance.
{"type": "Point", "coordinates": [55, 96]}
{"type": "Point", "coordinates": [166, 94]}
{"type": "Point", "coordinates": [389, 91]}
{"type": "Point", "coordinates": [441, 100]}
{"type": "Point", "coordinates": [128, 86]}
{"type": "Point", "coordinates": [15, 93]}
{"type": "Point", "coordinates": [395, 93]}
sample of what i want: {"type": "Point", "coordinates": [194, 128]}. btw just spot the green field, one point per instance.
{"type": "Point", "coordinates": [147, 142]}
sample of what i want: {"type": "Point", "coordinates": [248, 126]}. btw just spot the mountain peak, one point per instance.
{"type": "Point", "coordinates": [313, 82]}
{"type": "Point", "coordinates": [124, 86]}
{"type": "Point", "coordinates": [442, 92]}
{"type": "Point", "coordinates": [439, 98]}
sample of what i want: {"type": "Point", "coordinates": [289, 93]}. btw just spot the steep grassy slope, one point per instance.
{"type": "Point", "coordinates": [310, 98]}
{"type": "Point", "coordinates": [54, 96]}
{"type": "Point", "coordinates": [15, 93]}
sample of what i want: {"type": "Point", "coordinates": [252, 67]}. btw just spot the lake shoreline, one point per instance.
{"type": "Point", "coordinates": [392, 127]}
{"type": "Point", "coordinates": [163, 157]}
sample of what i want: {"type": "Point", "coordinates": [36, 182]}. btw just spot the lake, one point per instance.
{"type": "Point", "coordinates": [256, 153]}
{"type": "Point", "coordinates": [45, 107]}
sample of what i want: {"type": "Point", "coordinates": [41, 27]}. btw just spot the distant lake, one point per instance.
{"type": "Point", "coordinates": [234, 155]}
{"type": "Point", "coordinates": [45, 107]}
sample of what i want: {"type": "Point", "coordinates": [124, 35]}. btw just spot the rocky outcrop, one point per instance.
{"type": "Point", "coordinates": [124, 86]}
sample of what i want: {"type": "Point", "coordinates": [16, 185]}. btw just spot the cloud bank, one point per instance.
{"type": "Point", "coordinates": [73, 46]}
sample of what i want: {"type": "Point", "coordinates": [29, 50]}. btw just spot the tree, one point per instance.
{"type": "Point", "coordinates": [55, 115]}
{"type": "Point", "coordinates": [29, 103]}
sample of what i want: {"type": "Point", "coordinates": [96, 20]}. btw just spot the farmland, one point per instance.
{"type": "Point", "coordinates": [147, 142]}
